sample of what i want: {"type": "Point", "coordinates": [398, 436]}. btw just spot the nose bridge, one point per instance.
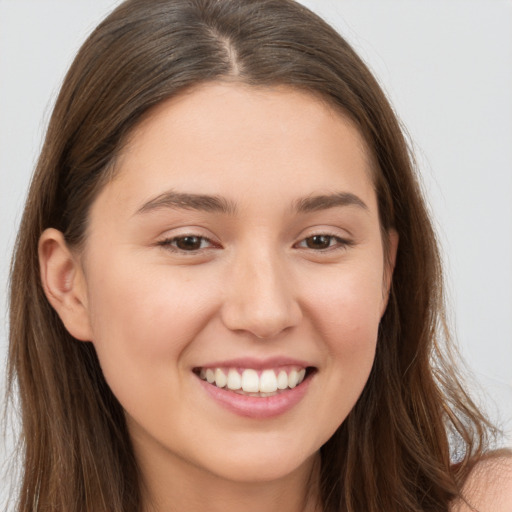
{"type": "Point", "coordinates": [260, 293]}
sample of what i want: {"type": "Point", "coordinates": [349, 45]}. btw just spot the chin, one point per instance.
{"type": "Point", "coordinates": [263, 470]}
{"type": "Point", "coordinates": [260, 461]}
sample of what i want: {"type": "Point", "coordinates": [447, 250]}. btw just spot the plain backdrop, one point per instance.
{"type": "Point", "coordinates": [447, 68]}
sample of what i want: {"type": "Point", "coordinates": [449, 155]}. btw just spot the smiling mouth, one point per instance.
{"type": "Point", "coordinates": [257, 383]}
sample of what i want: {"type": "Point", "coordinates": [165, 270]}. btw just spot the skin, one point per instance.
{"type": "Point", "coordinates": [260, 287]}
{"type": "Point", "coordinates": [489, 486]}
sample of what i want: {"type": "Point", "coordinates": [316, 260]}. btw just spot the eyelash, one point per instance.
{"type": "Point", "coordinates": [172, 243]}
{"type": "Point", "coordinates": [340, 243]}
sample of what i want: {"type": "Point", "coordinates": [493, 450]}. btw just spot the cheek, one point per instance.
{"type": "Point", "coordinates": [142, 320]}
{"type": "Point", "coordinates": [347, 309]}
{"type": "Point", "coordinates": [346, 315]}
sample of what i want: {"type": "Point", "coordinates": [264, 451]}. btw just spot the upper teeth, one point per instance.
{"type": "Point", "coordinates": [250, 381]}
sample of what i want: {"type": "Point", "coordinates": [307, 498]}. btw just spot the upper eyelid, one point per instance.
{"type": "Point", "coordinates": [168, 239]}
{"type": "Point", "coordinates": [335, 232]}
{"type": "Point", "coordinates": [341, 241]}
{"type": "Point", "coordinates": [196, 231]}
{"type": "Point", "coordinates": [184, 231]}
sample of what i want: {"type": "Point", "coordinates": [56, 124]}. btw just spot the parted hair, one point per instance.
{"type": "Point", "coordinates": [394, 452]}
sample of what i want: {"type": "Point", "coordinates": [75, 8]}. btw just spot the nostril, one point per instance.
{"type": "Point", "coordinates": [263, 306]}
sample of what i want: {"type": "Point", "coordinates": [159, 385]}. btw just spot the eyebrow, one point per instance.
{"type": "Point", "coordinates": [217, 204]}
{"type": "Point", "coordinates": [326, 201]}
{"type": "Point", "coordinates": [184, 201]}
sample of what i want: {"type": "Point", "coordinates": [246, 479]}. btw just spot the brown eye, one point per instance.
{"type": "Point", "coordinates": [319, 242]}
{"type": "Point", "coordinates": [189, 243]}
{"type": "Point", "coordinates": [324, 242]}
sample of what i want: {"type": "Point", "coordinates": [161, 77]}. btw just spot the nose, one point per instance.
{"type": "Point", "coordinates": [260, 296]}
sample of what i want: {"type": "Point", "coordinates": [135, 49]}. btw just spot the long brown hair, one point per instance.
{"type": "Point", "coordinates": [393, 452]}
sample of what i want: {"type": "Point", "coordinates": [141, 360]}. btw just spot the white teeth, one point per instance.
{"type": "Point", "coordinates": [268, 381]}
{"type": "Point", "coordinates": [234, 380]}
{"type": "Point", "coordinates": [293, 379]}
{"type": "Point", "coordinates": [250, 381]}
{"type": "Point", "coordinates": [266, 384]}
{"type": "Point", "coordinates": [220, 378]}
{"type": "Point", "coordinates": [282, 380]}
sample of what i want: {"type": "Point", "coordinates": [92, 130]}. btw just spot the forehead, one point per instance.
{"type": "Point", "coordinates": [219, 138]}
{"type": "Point", "coordinates": [224, 105]}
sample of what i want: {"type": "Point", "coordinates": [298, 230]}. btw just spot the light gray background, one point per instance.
{"type": "Point", "coordinates": [447, 67]}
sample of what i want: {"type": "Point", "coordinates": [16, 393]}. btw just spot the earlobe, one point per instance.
{"type": "Point", "coordinates": [64, 284]}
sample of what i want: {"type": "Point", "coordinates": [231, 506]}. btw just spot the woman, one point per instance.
{"type": "Point", "coordinates": [235, 290]}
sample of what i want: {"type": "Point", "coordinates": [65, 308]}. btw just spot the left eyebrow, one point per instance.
{"type": "Point", "coordinates": [324, 202]}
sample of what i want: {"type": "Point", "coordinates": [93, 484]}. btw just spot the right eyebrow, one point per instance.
{"type": "Point", "coordinates": [179, 200]}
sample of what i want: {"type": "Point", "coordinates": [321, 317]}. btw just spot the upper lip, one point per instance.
{"type": "Point", "coordinates": [257, 363]}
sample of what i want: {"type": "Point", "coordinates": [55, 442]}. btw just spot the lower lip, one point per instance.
{"type": "Point", "coordinates": [257, 407]}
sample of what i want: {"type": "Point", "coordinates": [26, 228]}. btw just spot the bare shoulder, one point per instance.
{"type": "Point", "coordinates": [489, 486]}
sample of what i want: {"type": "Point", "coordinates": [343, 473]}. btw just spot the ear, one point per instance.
{"type": "Point", "coordinates": [64, 283]}
{"type": "Point", "coordinates": [391, 249]}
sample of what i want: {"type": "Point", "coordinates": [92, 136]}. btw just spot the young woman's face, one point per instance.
{"type": "Point", "coordinates": [239, 241]}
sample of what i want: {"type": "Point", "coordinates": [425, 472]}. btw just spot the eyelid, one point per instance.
{"type": "Point", "coordinates": [344, 238]}
{"type": "Point", "coordinates": [340, 243]}
{"type": "Point", "coordinates": [168, 242]}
